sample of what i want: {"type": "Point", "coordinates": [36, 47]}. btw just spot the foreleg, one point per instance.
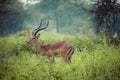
{"type": "Point", "coordinates": [51, 59]}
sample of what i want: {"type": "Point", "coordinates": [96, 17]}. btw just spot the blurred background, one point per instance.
{"type": "Point", "coordinates": [64, 16]}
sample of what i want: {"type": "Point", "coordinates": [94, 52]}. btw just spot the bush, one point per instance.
{"type": "Point", "coordinates": [92, 60]}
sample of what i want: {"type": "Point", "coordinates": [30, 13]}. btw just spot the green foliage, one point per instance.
{"type": "Point", "coordinates": [12, 13]}
{"type": "Point", "coordinates": [92, 60]}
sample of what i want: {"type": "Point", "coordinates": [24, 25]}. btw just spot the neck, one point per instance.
{"type": "Point", "coordinates": [38, 46]}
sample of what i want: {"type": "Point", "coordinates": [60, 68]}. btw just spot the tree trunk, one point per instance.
{"type": "Point", "coordinates": [57, 24]}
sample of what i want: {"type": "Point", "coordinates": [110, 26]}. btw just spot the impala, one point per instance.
{"type": "Point", "coordinates": [64, 48]}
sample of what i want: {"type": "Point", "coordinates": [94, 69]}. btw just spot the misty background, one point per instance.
{"type": "Point", "coordinates": [63, 16]}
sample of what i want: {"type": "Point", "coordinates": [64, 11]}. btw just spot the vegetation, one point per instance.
{"type": "Point", "coordinates": [106, 16]}
{"type": "Point", "coordinates": [93, 59]}
{"type": "Point", "coordinates": [11, 17]}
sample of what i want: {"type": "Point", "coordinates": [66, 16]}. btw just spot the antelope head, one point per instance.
{"type": "Point", "coordinates": [35, 34]}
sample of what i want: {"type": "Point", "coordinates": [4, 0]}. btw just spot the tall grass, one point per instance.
{"type": "Point", "coordinates": [92, 59]}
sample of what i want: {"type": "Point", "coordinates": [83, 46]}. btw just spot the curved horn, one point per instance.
{"type": "Point", "coordinates": [33, 32]}
{"type": "Point", "coordinates": [39, 29]}
{"type": "Point", "coordinates": [45, 26]}
{"type": "Point", "coordinates": [40, 23]}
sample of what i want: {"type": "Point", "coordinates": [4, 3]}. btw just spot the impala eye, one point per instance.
{"type": "Point", "coordinates": [34, 38]}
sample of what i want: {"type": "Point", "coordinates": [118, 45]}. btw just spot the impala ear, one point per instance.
{"type": "Point", "coordinates": [38, 35]}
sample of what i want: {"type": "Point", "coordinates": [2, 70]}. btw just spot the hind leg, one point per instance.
{"type": "Point", "coordinates": [69, 58]}
{"type": "Point", "coordinates": [70, 55]}
{"type": "Point", "coordinates": [66, 59]}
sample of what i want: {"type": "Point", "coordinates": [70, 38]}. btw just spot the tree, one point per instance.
{"type": "Point", "coordinates": [10, 16]}
{"type": "Point", "coordinates": [106, 15]}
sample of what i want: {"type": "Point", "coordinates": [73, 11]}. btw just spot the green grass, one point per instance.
{"type": "Point", "coordinates": [92, 59]}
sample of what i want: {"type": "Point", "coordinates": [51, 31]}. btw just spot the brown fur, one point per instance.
{"type": "Point", "coordinates": [51, 50]}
